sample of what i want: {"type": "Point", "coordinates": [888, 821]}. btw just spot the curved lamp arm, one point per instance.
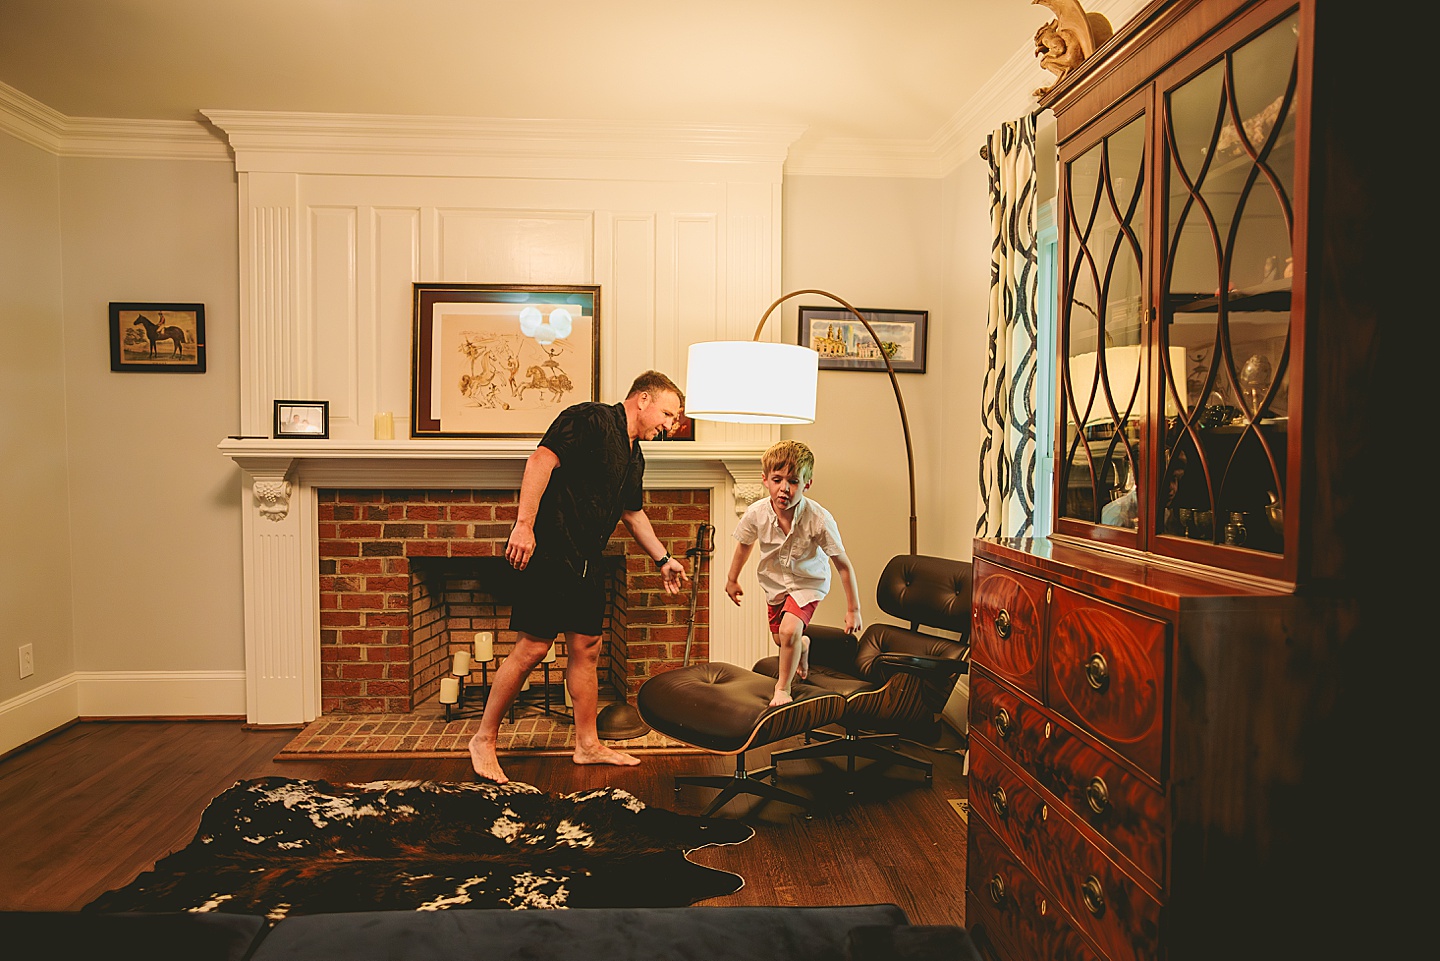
{"type": "Point", "coordinates": [894, 384]}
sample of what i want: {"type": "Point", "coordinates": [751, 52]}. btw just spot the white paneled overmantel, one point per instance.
{"type": "Point", "coordinates": [679, 226]}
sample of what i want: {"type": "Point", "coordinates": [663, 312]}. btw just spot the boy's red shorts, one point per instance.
{"type": "Point", "coordinates": [777, 612]}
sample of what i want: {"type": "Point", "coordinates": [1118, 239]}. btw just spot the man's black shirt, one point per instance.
{"type": "Point", "coordinates": [601, 475]}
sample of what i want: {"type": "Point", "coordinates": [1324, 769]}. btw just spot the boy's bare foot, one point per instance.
{"type": "Point", "coordinates": [781, 697]}
{"type": "Point", "coordinates": [483, 759]}
{"type": "Point", "coordinates": [802, 670]}
{"type": "Point", "coordinates": [604, 755]}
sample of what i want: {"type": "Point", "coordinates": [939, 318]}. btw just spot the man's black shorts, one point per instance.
{"type": "Point", "coordinates": [551, 599]}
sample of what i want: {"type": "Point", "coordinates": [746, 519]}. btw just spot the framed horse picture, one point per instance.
{"type": "Point", "coordinates": [158, 338]}
{"type": "Point", "coordinates": [501, 360]}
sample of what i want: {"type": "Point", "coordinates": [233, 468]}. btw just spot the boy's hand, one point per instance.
{"type": "Point", "coordinates": [854, 623]}
{"type": "Point", "coordinates": [735, 591]}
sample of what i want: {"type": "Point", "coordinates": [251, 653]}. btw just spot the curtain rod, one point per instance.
{"type": "Point", "coordinates": [985, 147]}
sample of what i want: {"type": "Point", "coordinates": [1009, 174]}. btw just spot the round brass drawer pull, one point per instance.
{"type": "Point", "coordinates": [997, 889]}
{"type": "Point", "coordinates": [1003, 723]}
{"type": "Point", "coordinates": [1097, 672]}
{"type": "Point", "coordinates": [1002, 623]}
{"type": "Point", "coordinates": [998, 802]}
{"type": "Point", "coordinates": [1097, 795]}
{"type": "Point", "coordinates": [1093, 895]}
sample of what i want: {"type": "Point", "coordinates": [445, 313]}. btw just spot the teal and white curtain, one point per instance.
{"type": "Point", "coordinates": [1007, 440]}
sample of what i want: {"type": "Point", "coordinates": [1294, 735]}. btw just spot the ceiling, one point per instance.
{"type": "Point", "coordinates": [844, 69]}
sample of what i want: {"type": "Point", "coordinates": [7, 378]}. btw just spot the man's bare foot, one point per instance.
{"type": "Point", "coordinates": [483, 759]}
{"type": "Point", "coordinates": [604, 755]}
{"type": "Point", "coordinates": [802, 670]}
{"type": "Point", "coordinates": [781, 697]}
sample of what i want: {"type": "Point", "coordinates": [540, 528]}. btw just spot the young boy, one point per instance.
{"type": "Point", "coordinates": [798, 539]}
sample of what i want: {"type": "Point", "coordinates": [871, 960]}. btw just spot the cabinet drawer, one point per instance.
{"type": "Point", "coordinates": [1124, 807]}
{"type": "Point", "coordinates": [1006, 621]}
{"type": "Point", "coordinates": [1107, 672]}
{"type": "Point", "coordinates": [1007, 913]}
{"type": "Point", "coordinates": [1099, 898]}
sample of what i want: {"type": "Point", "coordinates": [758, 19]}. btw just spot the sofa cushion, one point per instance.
{"type": "Point", "coordinates": [49, 935]}
{"type": "Point", "coordinates": [714, 934]}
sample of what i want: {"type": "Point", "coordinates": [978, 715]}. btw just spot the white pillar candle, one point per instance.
{"type": "Point", "coordinates": [385, 425]}
{"type": "Point", "coordinates": [485, 647]}
{"type": "Point", "coordinates": [549, 656]}
{"type": "Point", "coordinates": [568, 702]}
{"type": "Point", "coordinates": [462, 664]}
{"type": "Point", "coordinates": [526, 685]}
{"type": "Point", "coordinates": [449, 690]}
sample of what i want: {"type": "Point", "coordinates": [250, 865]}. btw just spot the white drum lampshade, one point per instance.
{"type": "Point", "coordinates": [751, 382]}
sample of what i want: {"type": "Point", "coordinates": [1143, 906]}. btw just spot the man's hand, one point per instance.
{"type": "Point", "coordinates": [521, 546]}
{"type": "Point", "coordinates": [673, 574]}
{"type": "Point", "coordinates": [733, 588]}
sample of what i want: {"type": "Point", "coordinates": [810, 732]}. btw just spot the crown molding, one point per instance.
{"type": "Point", "coordinates": [29, 120]}
{"type": "Point", "coordinates": [383, 143]}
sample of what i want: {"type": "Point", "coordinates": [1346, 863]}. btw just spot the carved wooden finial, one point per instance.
{"type": "Point", "coordinates": [1065, 42]}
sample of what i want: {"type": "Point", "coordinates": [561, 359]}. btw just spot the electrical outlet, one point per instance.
{"type": "Point", "coordinates": [27, 660]}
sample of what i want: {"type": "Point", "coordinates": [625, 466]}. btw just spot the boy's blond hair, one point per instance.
{"type": "Point", "coordinates": [789, 453]}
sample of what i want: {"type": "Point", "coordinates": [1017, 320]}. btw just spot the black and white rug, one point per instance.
{"type": "Point", "coordinates": [279, 846]}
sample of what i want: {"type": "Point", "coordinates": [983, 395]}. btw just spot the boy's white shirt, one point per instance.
{"type": "Point", "coordinates": [797, 563]}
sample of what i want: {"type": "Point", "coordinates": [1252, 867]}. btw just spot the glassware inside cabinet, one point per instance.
{"type": "Point", "coordinates": [1103, 391]}
{"type": "Point", "coordinates": [1226, 275]}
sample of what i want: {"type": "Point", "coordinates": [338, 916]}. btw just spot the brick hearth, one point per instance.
{"type": "Point", "coordinates": [375, 547]}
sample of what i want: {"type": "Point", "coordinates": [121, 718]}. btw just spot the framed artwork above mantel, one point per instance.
{"type": "Point", "coordinates": [501, 360]}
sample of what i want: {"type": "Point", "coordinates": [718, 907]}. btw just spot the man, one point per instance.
{"type": "Point", "coordinates": [586, 475]}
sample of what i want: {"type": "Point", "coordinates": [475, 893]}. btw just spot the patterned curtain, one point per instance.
{"type": "Point", "coordinates": [1008, 449]}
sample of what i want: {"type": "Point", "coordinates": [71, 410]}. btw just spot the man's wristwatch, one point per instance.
{"type": "Point", "coordinates": [663, 561]}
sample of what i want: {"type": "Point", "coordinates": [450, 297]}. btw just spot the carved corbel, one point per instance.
{"type": "Point", "coordinates": [272, 497]}
{"type": "Point", "coordinates": [745, 481]}
{"type": "Point", "coordinates": [1064, 43]}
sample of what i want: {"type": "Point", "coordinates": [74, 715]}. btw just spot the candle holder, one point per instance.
{"type": "Point", "coordinates": [543, 696]}
{"type": "Point", "coordinates": [461, 668]}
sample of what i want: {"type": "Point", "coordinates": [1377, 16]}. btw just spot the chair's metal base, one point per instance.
{"type": "Point", "coordinates": [852, 745]}
{"type": "Point", "coordinates": [742, 782]}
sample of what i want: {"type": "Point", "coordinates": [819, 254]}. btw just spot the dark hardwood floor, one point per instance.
{"type": "Point", "coordinates": [93, 806]}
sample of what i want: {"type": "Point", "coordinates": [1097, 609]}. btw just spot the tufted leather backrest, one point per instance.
{"type": "Point", "coordinates": [929, 591]}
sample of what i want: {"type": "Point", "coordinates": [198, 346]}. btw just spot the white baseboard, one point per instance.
{"type": "Point", "coordinates": [956, 708]}
{"type": "Point", "coordinates": [36, 713]}
{"type": "Point", "coordinates": [120, 694]}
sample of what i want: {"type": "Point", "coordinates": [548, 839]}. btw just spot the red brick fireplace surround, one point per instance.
{"type": "Point", "coordinates": [403, 586]}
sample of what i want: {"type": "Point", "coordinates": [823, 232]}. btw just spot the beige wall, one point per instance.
{"type": "Point", "coordinates": [130, 482]}
{"type": "Point", "coordinates": [35, 589]}
{"type": "Point", "coordinates": [156, 525]}
{"type": "Point", "coordinates": [890, 243]}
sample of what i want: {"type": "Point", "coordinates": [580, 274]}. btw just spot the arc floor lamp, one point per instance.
{"type": "Point", "coordinates": [761, 382]}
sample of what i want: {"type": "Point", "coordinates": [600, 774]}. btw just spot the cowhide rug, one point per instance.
{"type": "Point", "coordinates": [277, 846]}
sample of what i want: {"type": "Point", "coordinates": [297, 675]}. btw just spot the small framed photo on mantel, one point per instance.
{"type": "Point", "coordinates": [307, 419]}
{"type": "Point", "coordinates": [844, 343]}
{"type": "Point", "coordinates": [157, 338]}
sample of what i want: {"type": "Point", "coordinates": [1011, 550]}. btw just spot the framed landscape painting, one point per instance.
{"type": "Point", "coordinates": [157, 338]}
{"type": "Point", "coordinates": [843, 343]}
{"type": "Point", "coordinates": [501, 360]}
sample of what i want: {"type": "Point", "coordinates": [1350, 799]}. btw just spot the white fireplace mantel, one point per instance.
{"type": "Point", "coordinates": [281, 538]}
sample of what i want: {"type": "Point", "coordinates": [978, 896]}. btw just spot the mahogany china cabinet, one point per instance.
{"type": "Point", "coordinates": [1162, 690]}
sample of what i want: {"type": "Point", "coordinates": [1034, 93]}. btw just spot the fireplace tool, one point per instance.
{"type": "Point", "coordinates": [704, 547]}
{"type": "Point", "coordinates": [620, 721]}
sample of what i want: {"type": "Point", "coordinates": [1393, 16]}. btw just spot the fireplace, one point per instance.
{"type": "Point", "coordinates": [407, 576]}
{"type": "Point", "coordinates": [419, 504]}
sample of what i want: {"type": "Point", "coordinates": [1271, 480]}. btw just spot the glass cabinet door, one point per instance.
{"type": "Point", "coordinates": [1103, 400]}
{"type": "Point", "coordinates": [1225, 276]}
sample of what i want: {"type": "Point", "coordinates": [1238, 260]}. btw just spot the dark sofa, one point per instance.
{"type": "Point", "coordinates": [845, 933]}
